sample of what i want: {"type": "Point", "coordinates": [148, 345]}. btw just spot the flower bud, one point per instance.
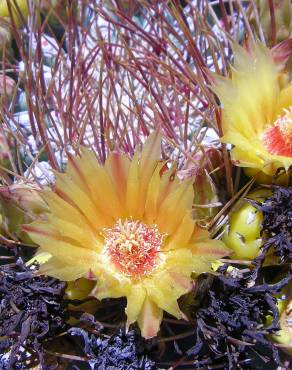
{"type": "Point", "coordinates": [243, 234]}
{"type": "Point", "coordinates": [20, 203]}
{"type": "Point", "coordinates": [205, 195]}
{"type": "Point", "coordinates": [262, 178]}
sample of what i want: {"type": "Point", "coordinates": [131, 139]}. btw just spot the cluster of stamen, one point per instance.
{"type": "Point", "coordinates": [133, 247]}
{"type": "Point", "coordinates": [278, 139]}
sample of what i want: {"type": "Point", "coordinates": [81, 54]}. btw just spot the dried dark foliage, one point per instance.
{"type": "Point", "coordinates": [277, 222]}
{"type": "Point", "coordinates": [117, 352]}
{"type": "Point", "coordinates": [32, 310]}
{"type": "Point", "coordinates": [232, 327]}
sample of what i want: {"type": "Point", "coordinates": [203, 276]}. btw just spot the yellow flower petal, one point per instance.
{"type": "Point", "coordinates": [84, 236]}
{"type": "Point", "coordinates": [117, 167]}
{"type": "Point", "coordinates": [200, 234]}
{"type": "Point", "coordinates": [180, 261]}
{"type": "Point", "coordinates": [135, 301]}
{"type": "Point", "coordinates": [104, 194]}
{"type": "Point", "coordinates": [109, 283]}
{"type": "Point", "coordinates": [65, 210]}
{"type": "Point", "coordinates": [149, 319]}
{"type": "Point", "coordinates": [133, 205]}
{"type": "Point", "coordinates": [75, 171]}
{"type": "Point", "coordinates": [174, 207]}
{"type": "Point", "coordinates": [66, 188]}
{"type": "Point", "coordinates": [244, 158]}
{"type": "Point", "coordinates": [149, 159]}
{"type": "Point", "coordinates": [169, 183]}
{"type": "Point", "coordinates": [150, 156]}
{"type": "Point", "coordinates": [53, 242]}
{"type": "Point", "coordinates": [57, 269]}
{"type": "Point", "coordinates": [285, 99]}
{"type": "Point", "coordinates": [183, 233]}
{"type": "Point", "coordinates": [210, 249]}
{"type": "Point", "coordinates": [256, 80]}
{"type": "Point", "coordinates": [40, 258]}
{"type": "Point", "coordinates": [161, 293]}
{"type": "Point", "coordinates": [151, 205]}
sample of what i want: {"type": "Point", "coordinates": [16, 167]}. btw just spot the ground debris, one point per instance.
{"type": "Point", "coordinates": [32, 310]}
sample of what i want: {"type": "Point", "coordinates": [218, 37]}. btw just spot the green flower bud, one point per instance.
{"type": "Point", "coordinates": [242, 235]}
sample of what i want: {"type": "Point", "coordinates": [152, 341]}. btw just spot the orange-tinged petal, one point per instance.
{"type": "Point", "coordinates": [42, 229]}
{"type": "Point", "coordinates": [174, 207]}
{"type": "Point", "coordinates": [81, 172]}
{"type": "Point", "coordinates": [167, 283]}
{"type": "Point", "coordinates": [151, 205]}
{"type": "Point", "coordinates": [150, 156]}
{"type": "Point", "coordinates": [83, 236]}
{"type": "Point", "coordinates": [183, 233]}
{"type": "Point", "coordinates": [103, 193]}
{"type": "Point", "coordinates": [184, 282]}
{"type": "Point", "coordinates": [117, 167]}
{"type": "Point", "coordinates": [82, 202]}
{"type": "Point", "coordinates": [169, 183]}
{"type": "Point", "coordinates": [75, 170]}
{"type": "Point", "coordinates": [210, 249]}
{"type": "Point", "coordinates": [149, 319]}
{"type": "Point", "coordinates": [133, 185]}
{"type": "Point", "coordinates": [200, 234]}
{"type": "Point", "coordinates": [64, 210]}
{"type": "Point", "coordinates": [60, 247]}
{"type": "Point", "coordinates": [135, 301]}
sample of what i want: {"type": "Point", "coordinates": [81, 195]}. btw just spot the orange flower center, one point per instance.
{"type": "Point", "coordinates": [278, 139]}
{"type": "Point", "coordinates": [133, 247]}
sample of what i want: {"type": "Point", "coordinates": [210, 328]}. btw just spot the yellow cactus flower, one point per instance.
{"type": "Point", "coordinates": [257, 111]}
{"type": "Point", "coordinates": [129, 225]}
